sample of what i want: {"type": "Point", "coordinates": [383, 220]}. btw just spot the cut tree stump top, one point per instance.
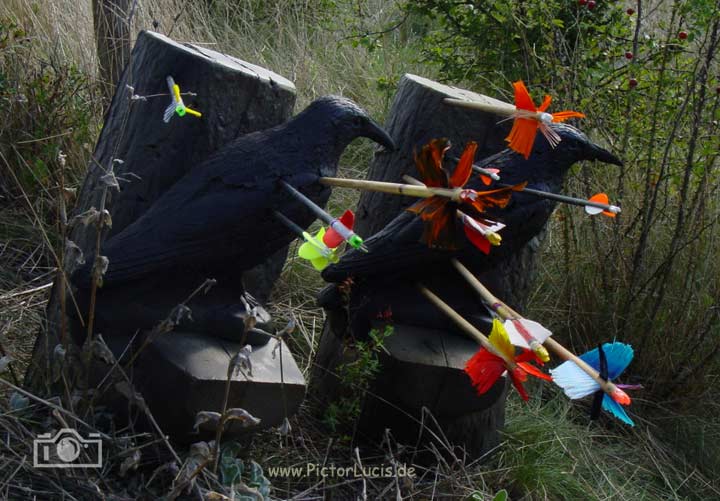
{"type": "Point", "coordinates": [418, 114]}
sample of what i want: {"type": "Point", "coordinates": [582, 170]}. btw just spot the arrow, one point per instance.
{"type": "Point", "coordinates": [496, 355]}
{"type": "Point", "coordinates": [460, 195]}
{"type": "Point", "coordinates": [524, 333]}
{"type": "Point", "coordinates": [335, 224]}
{"type": "Point", "coordinates": [487, 174]}
{"type": "Point", "coordinates": [340, 230]}
{"type": "Point", "coordinates": [610, 359]}
{"type": "Point", "coordinates": [507, 313]}
{"type": "Point", "coordinates": [528, 118]}
{"type": "Point", "coordinates": [314, 250]}
{"type": "Point", "coordinates": [597, 204]}
{"type": "Point", "coordinates": [176, 103]}
{"type": "Point", "coordinates": [481, 234]}
{"type": "Point", "coordinates": [439, 186]}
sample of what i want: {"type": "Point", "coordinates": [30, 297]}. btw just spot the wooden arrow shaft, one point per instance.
{"type": "Point", "coordinates": [508, 313]}
{"type": "Point", "coordinates": [496, 108]}
{"type": "Point", "coordinates": [393, 188]}
{"type": "Point", "coordinates": [466, 326]}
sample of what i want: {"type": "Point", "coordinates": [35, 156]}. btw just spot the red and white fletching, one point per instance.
{"type": "Point", "coordinates": [515, 328]}
{"type": "Point", "coordinates": [337, 232]}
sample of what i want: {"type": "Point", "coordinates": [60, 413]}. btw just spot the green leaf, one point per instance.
{"type": "Point", "coordinates": [258, 480]}
{"type": "Point", "coordinates": [231, 467]}
{"type": "Point", "coordinates": [502, 495]}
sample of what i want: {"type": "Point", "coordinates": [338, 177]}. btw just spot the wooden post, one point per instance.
{"type": "Point", "coordinates": [423, 364]}
{"type": "Point", "coordinates": [234, 98]}
{"type": "Point", "coordinates": [112, 39]}
{"type": "Point", "coordinates": [419, 114]}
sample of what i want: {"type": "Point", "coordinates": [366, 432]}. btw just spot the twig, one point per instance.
{"type": "Point", "coordinates": [25, 292]}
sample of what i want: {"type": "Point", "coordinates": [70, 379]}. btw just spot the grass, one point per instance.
{"type": "Point", "coordinates": [51, 101]}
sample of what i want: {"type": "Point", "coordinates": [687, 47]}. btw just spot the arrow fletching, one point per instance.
{"type": "Point", "coordinates": [481, 235]}
{"type": "Point", "coordinates": [176, 103]}
{"type": "Point", "coordinates": [484, 368]}
{"type": "Point", "coordinates": [342, 230]}
{"type": "Point", "coordinates": [487, 177]}
{"type": "Point", "coordinates": [528, 334]}
{"type": "Point", "coordinates": [601, 198]}
{"type": "Point", "coordinates": [315, 251]}
{"type": "Point", "coordinates": [577, 384]}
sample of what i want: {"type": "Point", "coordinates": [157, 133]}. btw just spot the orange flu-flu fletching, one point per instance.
{"type": "Point", "coordinates": [524, 129]}
{"type": "Point", "coordinates": [602, 198]}
{"type": "Point", "coordinates": [437, 212]}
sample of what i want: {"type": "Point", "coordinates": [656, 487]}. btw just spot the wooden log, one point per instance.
{"type": "Point", "coordinates": [185, 373]}
{"type": "Point", "coordinates": [424, 362]}
{"type": "Point", "coordinates": [112, 39]}
{"type": "Point", "coordinates": [418, 114]}
{"type": "Point", "coordinates": [234, 98]}
{"type": "Point", "coordinates": [422, 371]}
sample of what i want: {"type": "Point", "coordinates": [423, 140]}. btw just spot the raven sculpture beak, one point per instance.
{"type": "Point", "coordinates": [597, 153]}
{"type": "Point", "coordinates": [378, 134]}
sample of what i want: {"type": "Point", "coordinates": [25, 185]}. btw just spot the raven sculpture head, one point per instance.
{"type": "Point", "coordinates": [548, 164]}
{"type": "Point", "coordinates": [342, 119]}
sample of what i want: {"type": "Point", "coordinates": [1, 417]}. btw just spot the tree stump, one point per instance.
{"type": "Point", "coordinates": [418, 115]}
{"type": "Point", "coordinates": [234, 98]}
{"type": "Point", "coordinates": [422, 367]}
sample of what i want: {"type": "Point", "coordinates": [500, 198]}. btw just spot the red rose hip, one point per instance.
{"type": "Point", "coordinates": [628, 55]}
{"type": "Point", "coordinates": [630, 11]}
{"type": "Point", "coordinates": [591, 4]}
{"type": "Point", "coordinates": [632, 83]}
{"type": "Point", "coordinates": [682, 35]}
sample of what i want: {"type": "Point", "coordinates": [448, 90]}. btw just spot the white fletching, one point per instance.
{"type": "Point", "coordinates": [573, 380]}
{"type": "Point", "coordinates": [535, 329]}
{"type": "Point", "coordinates": [169, 112]}
{"type": "Point", "coordinates": [593, 211]}
{"type": "Point", "coordinates": [482, 228]}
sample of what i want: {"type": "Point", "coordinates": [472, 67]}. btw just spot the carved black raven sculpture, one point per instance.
{"type": "Point", "coordinates": [222, 211]}
{"type": "Point", "coordinates": [397, 249]}
{"type": "Point", "coordinates": [386, 276]}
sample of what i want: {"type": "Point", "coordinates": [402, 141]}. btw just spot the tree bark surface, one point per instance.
{"type": "Point", "coordinates": [422, 368]}
{"type": "Point", "coordinates": [234, 98]}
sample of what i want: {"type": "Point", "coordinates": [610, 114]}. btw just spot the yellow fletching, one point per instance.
{"type": "Point", "coordinates": [500, 339]}
{"type": "Point", "coordinates": [315, 251]}
{"type": "Point", "coordinates": [308, 251]}
{"type": "Point", "coordinates": [176, 92]}
{"type": "Point", "coordinates": [320, 263]}
{"type": "Point", "coordinates": [311, 248]}
{"type": "Point", "coordinates": [193, 112]}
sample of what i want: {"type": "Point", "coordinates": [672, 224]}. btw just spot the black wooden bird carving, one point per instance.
{"type": "Point", "coordinates": [385, 278]}
{"type": "Point", "coordinates": [222, 210]}
{"type": "Point", "coordinates": [397, 250]}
